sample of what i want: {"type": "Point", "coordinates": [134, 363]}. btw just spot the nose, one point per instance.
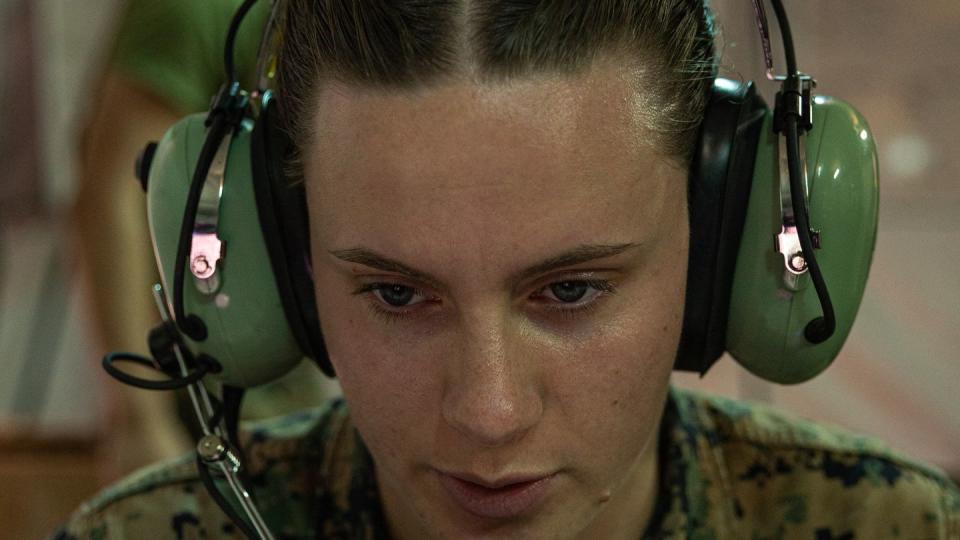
{"type": "Point", "coordinates": [492, 395]}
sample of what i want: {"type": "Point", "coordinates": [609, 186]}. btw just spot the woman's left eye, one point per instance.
{"type": "Point", "coordinates": [575, 293]}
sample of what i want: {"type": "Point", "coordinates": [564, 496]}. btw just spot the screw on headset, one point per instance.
{"type": "Point", "coordinates": [798, 263]}
{"type": "Point", "coordinates": [212, 449]}
{"type": "Point", "coordinates": [200, 266]}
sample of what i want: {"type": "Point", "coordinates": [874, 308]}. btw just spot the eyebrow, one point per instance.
{"type": "Point", "coordinates": [578, 255]}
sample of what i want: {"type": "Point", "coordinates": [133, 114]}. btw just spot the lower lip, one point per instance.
{"type": "Point", "coordinates": [500, 503]}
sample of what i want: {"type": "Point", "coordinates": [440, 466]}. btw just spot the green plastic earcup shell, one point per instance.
{"type": "Point", "coordinates": [767, 319]}
{"type": "Point", "coordinates": [246, 326]}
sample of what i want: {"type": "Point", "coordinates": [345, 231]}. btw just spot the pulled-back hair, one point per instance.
{"type": "Point", "coordinates": [405, 44]}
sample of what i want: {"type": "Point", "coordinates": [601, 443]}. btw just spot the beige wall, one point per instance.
{"type": "Point", "coordinates": [45, 349]}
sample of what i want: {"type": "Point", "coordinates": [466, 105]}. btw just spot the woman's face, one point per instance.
{"type": "Point", "coordinates": [500, 273]}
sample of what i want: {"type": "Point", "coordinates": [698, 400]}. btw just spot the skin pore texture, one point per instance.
{"type": "Point", "coordinates": [445, 221]}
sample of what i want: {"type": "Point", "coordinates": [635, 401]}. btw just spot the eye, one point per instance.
{"type": "Point", "coordinates": [394, 294]}
{"type": "Point", "coordinates": [569, 291]}
{"type": "Point", "coordinates": [575, 293]}
{"type": "Point", "coordinates": [393, 301]}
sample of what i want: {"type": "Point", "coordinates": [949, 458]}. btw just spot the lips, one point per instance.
{"type": "Point", "coordinates": [500, 499]}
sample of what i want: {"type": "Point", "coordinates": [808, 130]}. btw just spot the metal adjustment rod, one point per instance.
{"type": "Point", "coordinates": [213, 448]}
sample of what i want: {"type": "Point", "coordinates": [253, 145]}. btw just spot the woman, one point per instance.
{"type": "Point", "coordinates": [499, 229]}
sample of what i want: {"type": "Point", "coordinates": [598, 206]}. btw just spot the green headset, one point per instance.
{"type": "Point", "coordinates": [231, 237]}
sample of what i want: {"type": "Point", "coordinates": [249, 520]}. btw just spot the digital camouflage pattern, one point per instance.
{"type": "Point", "coordinates": [728, 470]}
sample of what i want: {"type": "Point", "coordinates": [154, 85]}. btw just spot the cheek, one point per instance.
{"type": "Point", "coordinates": [612, 387]}
{"type": "Point", "coordinates": [389, 389]}
{"type": "Point", "coordinates": [615, 384]}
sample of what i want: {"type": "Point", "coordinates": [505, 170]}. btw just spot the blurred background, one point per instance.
{"type": "Point", "coordinates": [83, 84]}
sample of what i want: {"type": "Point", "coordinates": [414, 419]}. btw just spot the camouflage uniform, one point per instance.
{"type": "Point", "coordinates": [728, 470]}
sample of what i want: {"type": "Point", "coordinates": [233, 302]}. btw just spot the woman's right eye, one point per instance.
{"type": "Point", "coordinates": [398, 295]}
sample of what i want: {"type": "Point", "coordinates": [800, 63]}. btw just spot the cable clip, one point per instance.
{"type": "Point", "coordinates": [231, 102]}
{"type": "Point", "coordinates": [795, 98]}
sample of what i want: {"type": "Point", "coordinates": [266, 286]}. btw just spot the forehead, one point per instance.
{"type": "Point", "coordinates": [488, 158]}
{"type": "Point", "coordinates": [604, 104]}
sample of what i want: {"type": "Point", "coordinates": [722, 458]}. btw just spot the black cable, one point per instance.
{"type": "Point", "coordinates": [173, 384]}
{"type": "Point", "coordinates": [787, 36]}
{"type": "Point", "coordinates": [232, 404]}
{"type": "Point", "coordinates": [232, 401]}
{"type": "Point", "coordinates": [204, 367]}
{"type": "Point", "coordinates": [222, 501]}
{"type": "Point", "coordinates": [820, 329]}
{"type": "Point", "coordinates": [192, 325]}
{"type": "Point", "coordinates": [226, 113]}
{"type": "Point", "coordinates": [231, 38]}
{"type": "Point", "coordinates": [217, 415]}
{"type": "Point", "coordinates": [219, 410]}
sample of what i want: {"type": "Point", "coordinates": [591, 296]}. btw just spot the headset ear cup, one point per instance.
{"type": "Point", "coordinates": [243, 313]}
{"type": "Point", "coordinates": [770, 310]}
{"type": "Point", "coordinates": [282, 207]}
{"type": "Point", "coordinates": [721, 174]}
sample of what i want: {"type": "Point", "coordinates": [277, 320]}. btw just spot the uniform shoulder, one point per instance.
{"type": "Point", "coordinates": [790, 476]}
{"type": "Point", "coordinates": [137, 500]}
{"type": "Point", "coordinates": [170, 496]}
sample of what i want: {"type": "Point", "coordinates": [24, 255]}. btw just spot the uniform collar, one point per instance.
{"type": "Point", "coordinates": [694, 497]}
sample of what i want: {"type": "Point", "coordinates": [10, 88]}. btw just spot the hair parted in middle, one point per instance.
{"type": "Point", "coordinates": [406, 44]}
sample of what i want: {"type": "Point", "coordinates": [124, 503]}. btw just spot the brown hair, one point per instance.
{"type": "Point", "coordinates": [410, 43]}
